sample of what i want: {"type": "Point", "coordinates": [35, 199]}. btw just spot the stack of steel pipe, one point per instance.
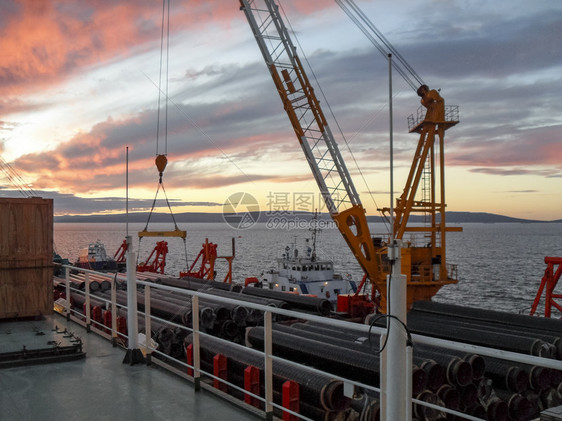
{"type": "Point", "coordinates": [524, 389]}
{"type": "Point", "coordinates": [456, 394]}
{"type": "Point", "coordinates": [196, 284]}
{"type": "Point", "coordinates": [313, 305]}
{"type": "Point", "coordinates": [336, 354]}
{"type": "Point", "coordinates": [545, 331]}
{"type": "Point", "coordinates": [320, 395]}
{"type": "Point", "coordinates": [299, 330]}
{"type": "Point", "coordinates": [462, 384]}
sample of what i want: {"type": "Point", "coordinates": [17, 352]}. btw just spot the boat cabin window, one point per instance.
{"type": "Point", "coordinates": [283, 288]}
{"type": "Point", "coordinates": [317, 267]}
{"type": "Point", "coordinates": [337, 291]}
{"type": "Point", "coordinates": [304, 269]}
{"type": "Point", "coordinates": [270, 286]}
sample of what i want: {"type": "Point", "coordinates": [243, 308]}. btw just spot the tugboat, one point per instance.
{"type": "Point", "coordinates": [94, 257]}
{"type": "Point", "coordinates": [306, 275]}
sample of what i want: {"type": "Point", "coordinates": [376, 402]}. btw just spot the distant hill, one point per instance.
{"type": "Point", "coordinates": [452, 217]}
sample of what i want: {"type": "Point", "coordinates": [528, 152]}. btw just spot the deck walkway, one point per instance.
{"type": "Point", "coordinates": [99, 386]}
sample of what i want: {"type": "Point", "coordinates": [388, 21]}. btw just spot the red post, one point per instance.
{"type": "Point", "coordinates": [290, 400]}
{"type": "Point", "coordinates": [220, 370]}
{"type": "Point", "coordinates": [106, 319]}
{"type": "Point", "coordinates": [96, 314]}
{"type": "Point", "coordinates": [548, 283]}
{"type": "Point", "coordinates": [252, 384]}
{"type": "Point", "coordinates": [189, 352]}
{"type": "Point", "coordinates": [121, 327]}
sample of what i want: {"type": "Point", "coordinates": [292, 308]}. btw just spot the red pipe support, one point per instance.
{"type": "Point", "coordinates": [290, 400]}
{"type": "Point", "coordinates": [252, 384]}
{"type": "Point", "coordinates": [189, 353]}
{"type": "Point", "coordinates": [220, 370]}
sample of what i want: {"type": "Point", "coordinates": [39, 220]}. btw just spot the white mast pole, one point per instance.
{"type": "Point", "coordinates": [397, 399]}
{"type": "Point", "coordinates": [134, 354]}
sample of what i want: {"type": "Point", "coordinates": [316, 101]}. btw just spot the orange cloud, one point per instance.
{"type": "Point", "coordinates": [45, 41]}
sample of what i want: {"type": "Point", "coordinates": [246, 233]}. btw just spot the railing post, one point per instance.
{"type": "Point", "coordinates": [268, 367]}
{"type": "Point", "coordinates": [409, 369]}
{"type": "Point", "coordinates": [114, 313]}
{"type": "Point", "coordinates": [196, 349]}
{"type": "Point", "coordinates": [67, 286]}
{"type": "Point", "coordinates": [148, 325]}
{"type": "Point", "coordinates": [382, 377]}
{"type": "Point", "coordinates": [87, 290]}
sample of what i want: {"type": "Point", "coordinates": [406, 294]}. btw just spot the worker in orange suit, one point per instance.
{"type": "Point", "coordinates": [434, 103]}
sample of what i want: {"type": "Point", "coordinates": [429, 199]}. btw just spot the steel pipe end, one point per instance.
{"type": "Point", "coordinates": [435, 374]}
{"type": "Point", "coordinates": [478, 365]}
{"type": "Point", "coordinates": [229, 330]}
{"type": "Point", "coordinates": [520, 408]}
{"type": "Point", "coordinates": [236, 287]}
{"type": "Point", "coordinates": [450, 395]}
{"type": "Point", "coordinates": [239, 314]}
{"type": "Point", "coordinates": [324, 307]}
{"type": "Point", "coordinates": [543, 349]}
{"type": "Point", "coordinates": [516, 380]}
{"type": "Point", "coordinates": [425, 412]}
{"type": "Point", "coordinates": [247, 341]}
{"type": "Point", "coordinates": [459, 372]}
{"type": "Point", "coordinates": [332, 397]}
{"type": "Point", "coordinates": [419, 380]}
{"type": "Point", "coordinates": [558, 345]}
{"type": "Point", "coordinates": [207, 317]}
{"type": "Point", "coordinates": [539, 378]}
{"type": "Point", "coordinates": [373, 411]}
{"type": "Point", "coordinates": [497, 409]}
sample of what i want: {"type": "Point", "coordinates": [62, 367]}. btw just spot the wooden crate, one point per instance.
{"type": "Point", "coordinates": [26, 257]}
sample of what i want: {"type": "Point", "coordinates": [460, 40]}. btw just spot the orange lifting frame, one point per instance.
{"type": "Point", "coordinates": [176, 233]}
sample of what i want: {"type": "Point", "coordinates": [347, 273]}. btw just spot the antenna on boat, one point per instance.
{"type": "Point", "coordinates": [127, 193]}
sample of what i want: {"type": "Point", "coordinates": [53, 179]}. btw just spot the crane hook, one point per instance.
{"type": "Point", "coordinates": [161, 162]}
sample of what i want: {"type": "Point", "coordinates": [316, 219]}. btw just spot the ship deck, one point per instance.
{"type": "Point", "coordinates": [95, 386]}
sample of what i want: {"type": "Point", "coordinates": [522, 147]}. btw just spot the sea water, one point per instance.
{"type": "Point", "coordinates": [500, 266]}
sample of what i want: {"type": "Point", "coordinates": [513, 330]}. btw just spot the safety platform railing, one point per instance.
{"type": "Point", "coordinates": [451, 116]}
{"type": "Point", "coordinates": [192, 369]}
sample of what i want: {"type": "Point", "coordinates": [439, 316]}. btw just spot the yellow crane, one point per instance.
{"type": "Point", "coordinates": [424, 265]}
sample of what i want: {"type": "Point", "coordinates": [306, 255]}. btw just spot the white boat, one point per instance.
{"type": "Point", "coordinates": [306, 274]}
{"type": "Point", "coordinates": [95, 257]}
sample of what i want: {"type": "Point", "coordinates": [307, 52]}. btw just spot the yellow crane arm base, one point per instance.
{"type": "Point", "coordinates": [175, 233]}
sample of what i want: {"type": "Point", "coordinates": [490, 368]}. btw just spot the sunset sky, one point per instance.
{"type": "Point", "coordinates": [79, 84]}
